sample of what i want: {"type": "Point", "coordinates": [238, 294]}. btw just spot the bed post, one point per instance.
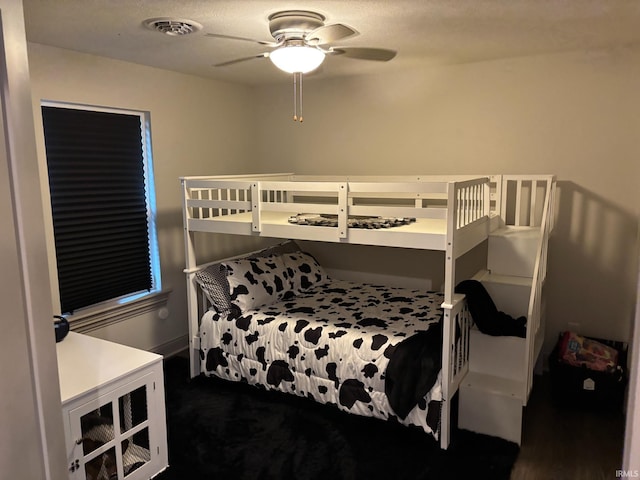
{"type": "Point", "coordinates": [449, 259]}
{"type": "Point", "coordinates": [455, 352]}
{"type": "Point", "coordinates": [456, 318]}
{"type": "Point", "coordinates": [445, 413]}
{"type": "Point", "coordinates": [192, 292]}
{"type": "Point", "coordinates": [447, 305]}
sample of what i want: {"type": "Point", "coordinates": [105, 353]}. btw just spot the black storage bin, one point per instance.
{"type": "Point", "coordinates": [583, 388]}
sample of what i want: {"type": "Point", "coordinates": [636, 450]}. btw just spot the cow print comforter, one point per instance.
{"type": "Point", "coordinates": [332, 343]}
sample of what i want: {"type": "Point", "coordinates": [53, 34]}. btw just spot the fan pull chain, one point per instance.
{"type": "Point", "coordinates": [297, 97]}
{"type": "Point", "coordinates": [300, 90]}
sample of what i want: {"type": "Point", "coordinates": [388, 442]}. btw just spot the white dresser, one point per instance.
{"type": "Point", "coordinates": [113, 409]}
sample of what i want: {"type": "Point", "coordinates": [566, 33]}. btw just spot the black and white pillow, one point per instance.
{"type": "Point", "coordinates": [303, 270]}
{"type": "Point", "coordinates": [254, 282]}
{"type": "Point", "coordinates": [214, 284]}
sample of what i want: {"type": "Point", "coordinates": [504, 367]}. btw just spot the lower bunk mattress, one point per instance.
{"type": "Point", "coordinates": [367, 349]}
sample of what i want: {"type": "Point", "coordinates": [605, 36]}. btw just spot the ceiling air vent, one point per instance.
{"type": "Point", "coordinates": [172, 26]}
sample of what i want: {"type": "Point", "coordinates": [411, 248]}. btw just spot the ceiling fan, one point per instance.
{"type": "Point", "coordinates": [305, 28]}
{"type": "Point", "coordinates": [301, 42]}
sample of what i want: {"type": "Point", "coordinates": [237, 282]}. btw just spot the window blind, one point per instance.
{"type": "Point", "coordinates": [99, 205]}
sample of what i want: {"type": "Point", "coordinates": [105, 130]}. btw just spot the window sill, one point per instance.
{"type": "Point", "coordinates": [108, 315]}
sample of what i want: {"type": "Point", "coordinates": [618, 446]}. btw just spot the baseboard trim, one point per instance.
{"type": "Point", "coordinates": [172, 347]}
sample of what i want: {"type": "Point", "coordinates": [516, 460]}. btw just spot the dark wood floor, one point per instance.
{"type": "Point", "coordinates": [560, 443]}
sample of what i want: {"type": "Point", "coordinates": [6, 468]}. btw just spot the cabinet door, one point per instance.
{"type": "Point", "coordinates": [114, 433]}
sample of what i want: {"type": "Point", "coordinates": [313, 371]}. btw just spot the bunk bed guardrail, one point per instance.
{"type": "Point", "coordinates": [263, 204]}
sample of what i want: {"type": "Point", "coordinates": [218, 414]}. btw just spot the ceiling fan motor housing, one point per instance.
{"type": "Point", "coordinates": [294, 24]}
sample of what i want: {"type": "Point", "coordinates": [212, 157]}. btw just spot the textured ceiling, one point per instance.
{"type": "Point", "coordinates": [421, 31]}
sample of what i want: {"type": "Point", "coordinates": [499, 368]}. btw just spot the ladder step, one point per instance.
{"type": "Point", "coordinates": [489, 405]}
{"type": "Point", "coordinates": [516, 232]}
{"type": "Point", "coordinates": [502, 357]}
{"type": "Point", "coordinates": [485, 276]}
{"type": "Point", "coordinates": [495, 385]}
{"type": "Point", "coordinates": [512, 250]}
{"type": "Point", "coordinates": [509, 293]}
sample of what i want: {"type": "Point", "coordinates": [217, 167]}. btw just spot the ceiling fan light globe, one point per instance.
{"type": "Point", "coordinates": [297, 59]}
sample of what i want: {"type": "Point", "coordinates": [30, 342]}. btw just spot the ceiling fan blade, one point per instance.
{"type": "Point", "coordinates": [243, 59]}
{"type": "Point", "coordinates": [244, 39]}
{"type": "Point", "coordinates": [329, 33]}
{"type": "Point", "coordinates": [361, 53]}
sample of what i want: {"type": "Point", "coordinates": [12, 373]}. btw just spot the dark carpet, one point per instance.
{"type": "Point", "coordinates": [226, 430]}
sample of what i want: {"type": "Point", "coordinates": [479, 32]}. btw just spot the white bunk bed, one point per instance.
{"type": "Point", "coordinates": [452, 214]}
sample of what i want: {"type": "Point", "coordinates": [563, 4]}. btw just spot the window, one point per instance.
{"type": "Point", "coordinates": [103, 205]}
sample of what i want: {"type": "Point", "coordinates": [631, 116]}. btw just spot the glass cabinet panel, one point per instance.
{"type": "Point", "coordinates": [97, 428]}
{"type": "Point", "coordinates": [102, 467]}
{"type": "Point", "coordinates": [135, 451]}
{"type": "Point", "coordinates": [133, 408]}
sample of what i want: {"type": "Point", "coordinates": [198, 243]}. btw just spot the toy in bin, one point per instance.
{"type": "Point", "coordinates": [588, 372]}
{"type": "Point", "coordinates": [579, 351]}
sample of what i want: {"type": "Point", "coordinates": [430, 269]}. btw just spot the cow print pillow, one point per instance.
{"type": "Point", "coordinates": [254, 282]}
{"type": "Point", "coordinates": [304, 271]}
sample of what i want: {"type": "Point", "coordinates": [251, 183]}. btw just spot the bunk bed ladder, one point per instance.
{"type": "Point", "coordinates": [502, 367]}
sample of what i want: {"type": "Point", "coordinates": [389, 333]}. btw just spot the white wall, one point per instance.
{"type": "Point", "coordinates": [198, 127]}
{"type": "Point", "coordinates": [575, 115]}
{"type": "Point", "coordinates": [631, 459]}
{"type": "Point", "coordinates": [32, 435]}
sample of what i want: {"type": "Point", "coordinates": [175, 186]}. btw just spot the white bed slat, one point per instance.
{"type": "Point", "coordinates": [518, 202]}
{"type": "Point", "coordinates": [533, 204]}
{"type": "Point", "coordinates": [343, 210]}
{"type": "Point", "coordinates": [256, 211]}
{"type": "Point", "coordinates": [217, 184]}
{"type": "Point", "coordinates": [296, 208]}
{"type": "Point", "coordinates": [313, 233]}
{"type": "Point", "coordinates": [386, 187]}
{"type": "Point", "coordinates": [226, 204]}
{"type": "Point", "coordinates": [302, 186]}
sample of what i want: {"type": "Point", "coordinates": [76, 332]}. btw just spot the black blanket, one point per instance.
{"type": "Point", "coordinates": [413, 369]}
{"type": "Point", "coordinates": [486, 315]}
